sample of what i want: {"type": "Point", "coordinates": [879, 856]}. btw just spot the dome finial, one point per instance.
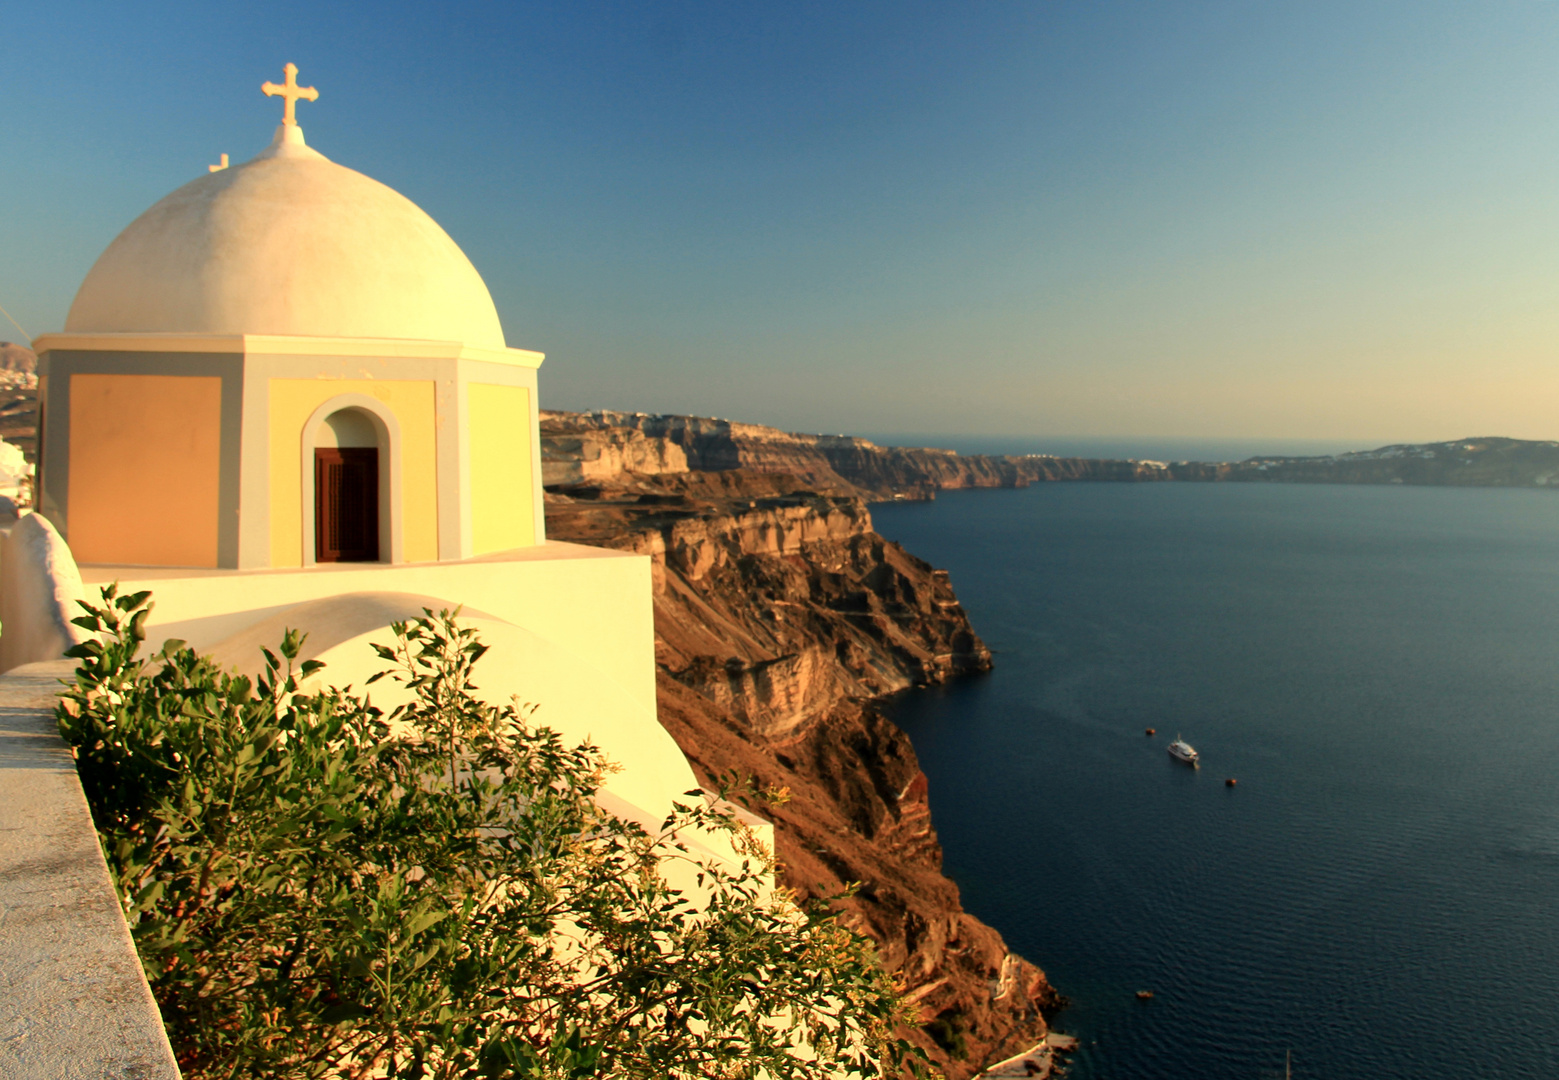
{"type": "Point", "coordinates": [290, 92]}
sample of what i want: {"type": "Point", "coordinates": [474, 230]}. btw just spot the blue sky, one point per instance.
{"type": "Point", "coordinates": [1254, 221]}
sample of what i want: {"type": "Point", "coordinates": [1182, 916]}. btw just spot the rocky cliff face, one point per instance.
{"type": "Point", "coordinates": [780, 616]}
{"type": "Point", "coordinates": [711, 445]}
{"type": "Point", "coordinates": [583, 456]}
{"type": "Point", "coordinates": [845, 464]}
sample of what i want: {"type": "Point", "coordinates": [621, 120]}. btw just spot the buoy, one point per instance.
{"type": "Point", "coordinates": [1144, 995]}
{"type": "Point", "coordinates": [1152, 731]}
{"type": "Point", "coordinates": [1230, 782]}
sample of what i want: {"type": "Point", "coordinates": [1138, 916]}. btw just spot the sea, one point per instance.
{"type": "Point", "coordinates": [1376, 667]}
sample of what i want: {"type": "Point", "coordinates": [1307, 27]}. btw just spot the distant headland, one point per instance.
{"type": "Point", "coordinates": [583, 446]}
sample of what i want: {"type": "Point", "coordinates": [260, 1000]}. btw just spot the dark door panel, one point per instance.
{"type": "Point", "coordinates": [346, 505]}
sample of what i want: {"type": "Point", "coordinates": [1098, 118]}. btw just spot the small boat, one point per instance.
{"type": "Point", "coordinates": [1144, 995]}
{"type": "Point", "coordinates": [1152, 732]}
{"type": "Point", "coordinates": [1181, 750]}
{"type": "Point", "coordinates": [1230, 782]}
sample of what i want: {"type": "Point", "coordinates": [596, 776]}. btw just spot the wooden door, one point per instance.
{"type": "Point", "coordinates": [346, 505]}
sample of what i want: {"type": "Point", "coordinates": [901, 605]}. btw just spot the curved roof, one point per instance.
{"type": "Point", "coordinates": [576, 699]}
{"type": "Point", "coordinates": [292, 244]}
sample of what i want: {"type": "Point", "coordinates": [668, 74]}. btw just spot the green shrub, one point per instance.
{"type": "Point", "coordinates": [317, 889]}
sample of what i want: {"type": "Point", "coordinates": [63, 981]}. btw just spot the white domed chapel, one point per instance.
{"type": "Point", "coordinates": [284, 363]}
{"type": "Point", "coordinates": [283, 398]}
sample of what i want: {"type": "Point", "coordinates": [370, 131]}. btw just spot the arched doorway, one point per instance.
{"type": "Point", "coordinates": [346, 489]}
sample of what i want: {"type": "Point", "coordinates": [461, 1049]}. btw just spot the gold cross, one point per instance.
{"type": "Point", "coordinates": [290, 92]}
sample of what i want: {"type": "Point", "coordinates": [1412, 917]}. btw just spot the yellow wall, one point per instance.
{"type": "Point", "coordinates": [498, 425]}
{"type": "Point", "coordinates": [145, 469]}
{"type": "Point", "coordinates": [293, 401]}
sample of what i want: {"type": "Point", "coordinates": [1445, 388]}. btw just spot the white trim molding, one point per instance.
{"type": "Point", "coordinates": [285, 345]}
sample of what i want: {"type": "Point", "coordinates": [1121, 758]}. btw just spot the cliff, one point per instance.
{"type": "Point", "coordinates": [583, 456]}
{"type": "Point", "coordinates": [1476, 462]}
{"type": "Point", "coordinates": [780, 616]}
{"type": "Point", "coordinates": [845, 464]}
{"type": "Point", "coordinates": [842, 464]}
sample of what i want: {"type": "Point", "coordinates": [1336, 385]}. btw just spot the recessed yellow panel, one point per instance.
{"type": "Point", "coordinates": [499, 429]}
{"type": "Point", "coordinates": [293, 401]}
{"type": "Point", "coordinates": [145, 469]}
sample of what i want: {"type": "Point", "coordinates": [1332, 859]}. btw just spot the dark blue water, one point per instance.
{"type": "Point", "coordinates": [1379, 668]}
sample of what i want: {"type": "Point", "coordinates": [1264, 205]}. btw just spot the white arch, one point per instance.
{"type": "Point", "coordinates": [388, 431]}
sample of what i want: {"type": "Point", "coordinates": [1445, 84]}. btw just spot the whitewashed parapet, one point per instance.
{"type": "Point", "coordinates": [73, 1000]}
{"type": "Point", "coordinates": [39, 587]}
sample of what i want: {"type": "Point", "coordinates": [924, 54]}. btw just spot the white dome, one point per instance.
{"type": "Point", "coordinates": [289, 243]}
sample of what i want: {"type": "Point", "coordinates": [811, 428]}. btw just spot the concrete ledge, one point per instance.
{"type": "Point", "coordinates": [73, 1000]}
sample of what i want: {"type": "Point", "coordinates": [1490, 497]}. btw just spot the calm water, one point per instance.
{"type": "Point", "coordinates": [1379, 668]}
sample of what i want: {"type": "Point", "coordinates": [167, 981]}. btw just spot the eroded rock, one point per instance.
{"type": "Point", "coordinates": [780, 617]}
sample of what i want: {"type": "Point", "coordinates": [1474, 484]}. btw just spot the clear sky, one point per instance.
{"type": "Point", "coordinates": [1222, 220]}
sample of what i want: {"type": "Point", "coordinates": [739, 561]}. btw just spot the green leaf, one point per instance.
{"type": "Point", "coordinates": [344, 1012]}
{"type": "Point", "coordinates": [303, 886]}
